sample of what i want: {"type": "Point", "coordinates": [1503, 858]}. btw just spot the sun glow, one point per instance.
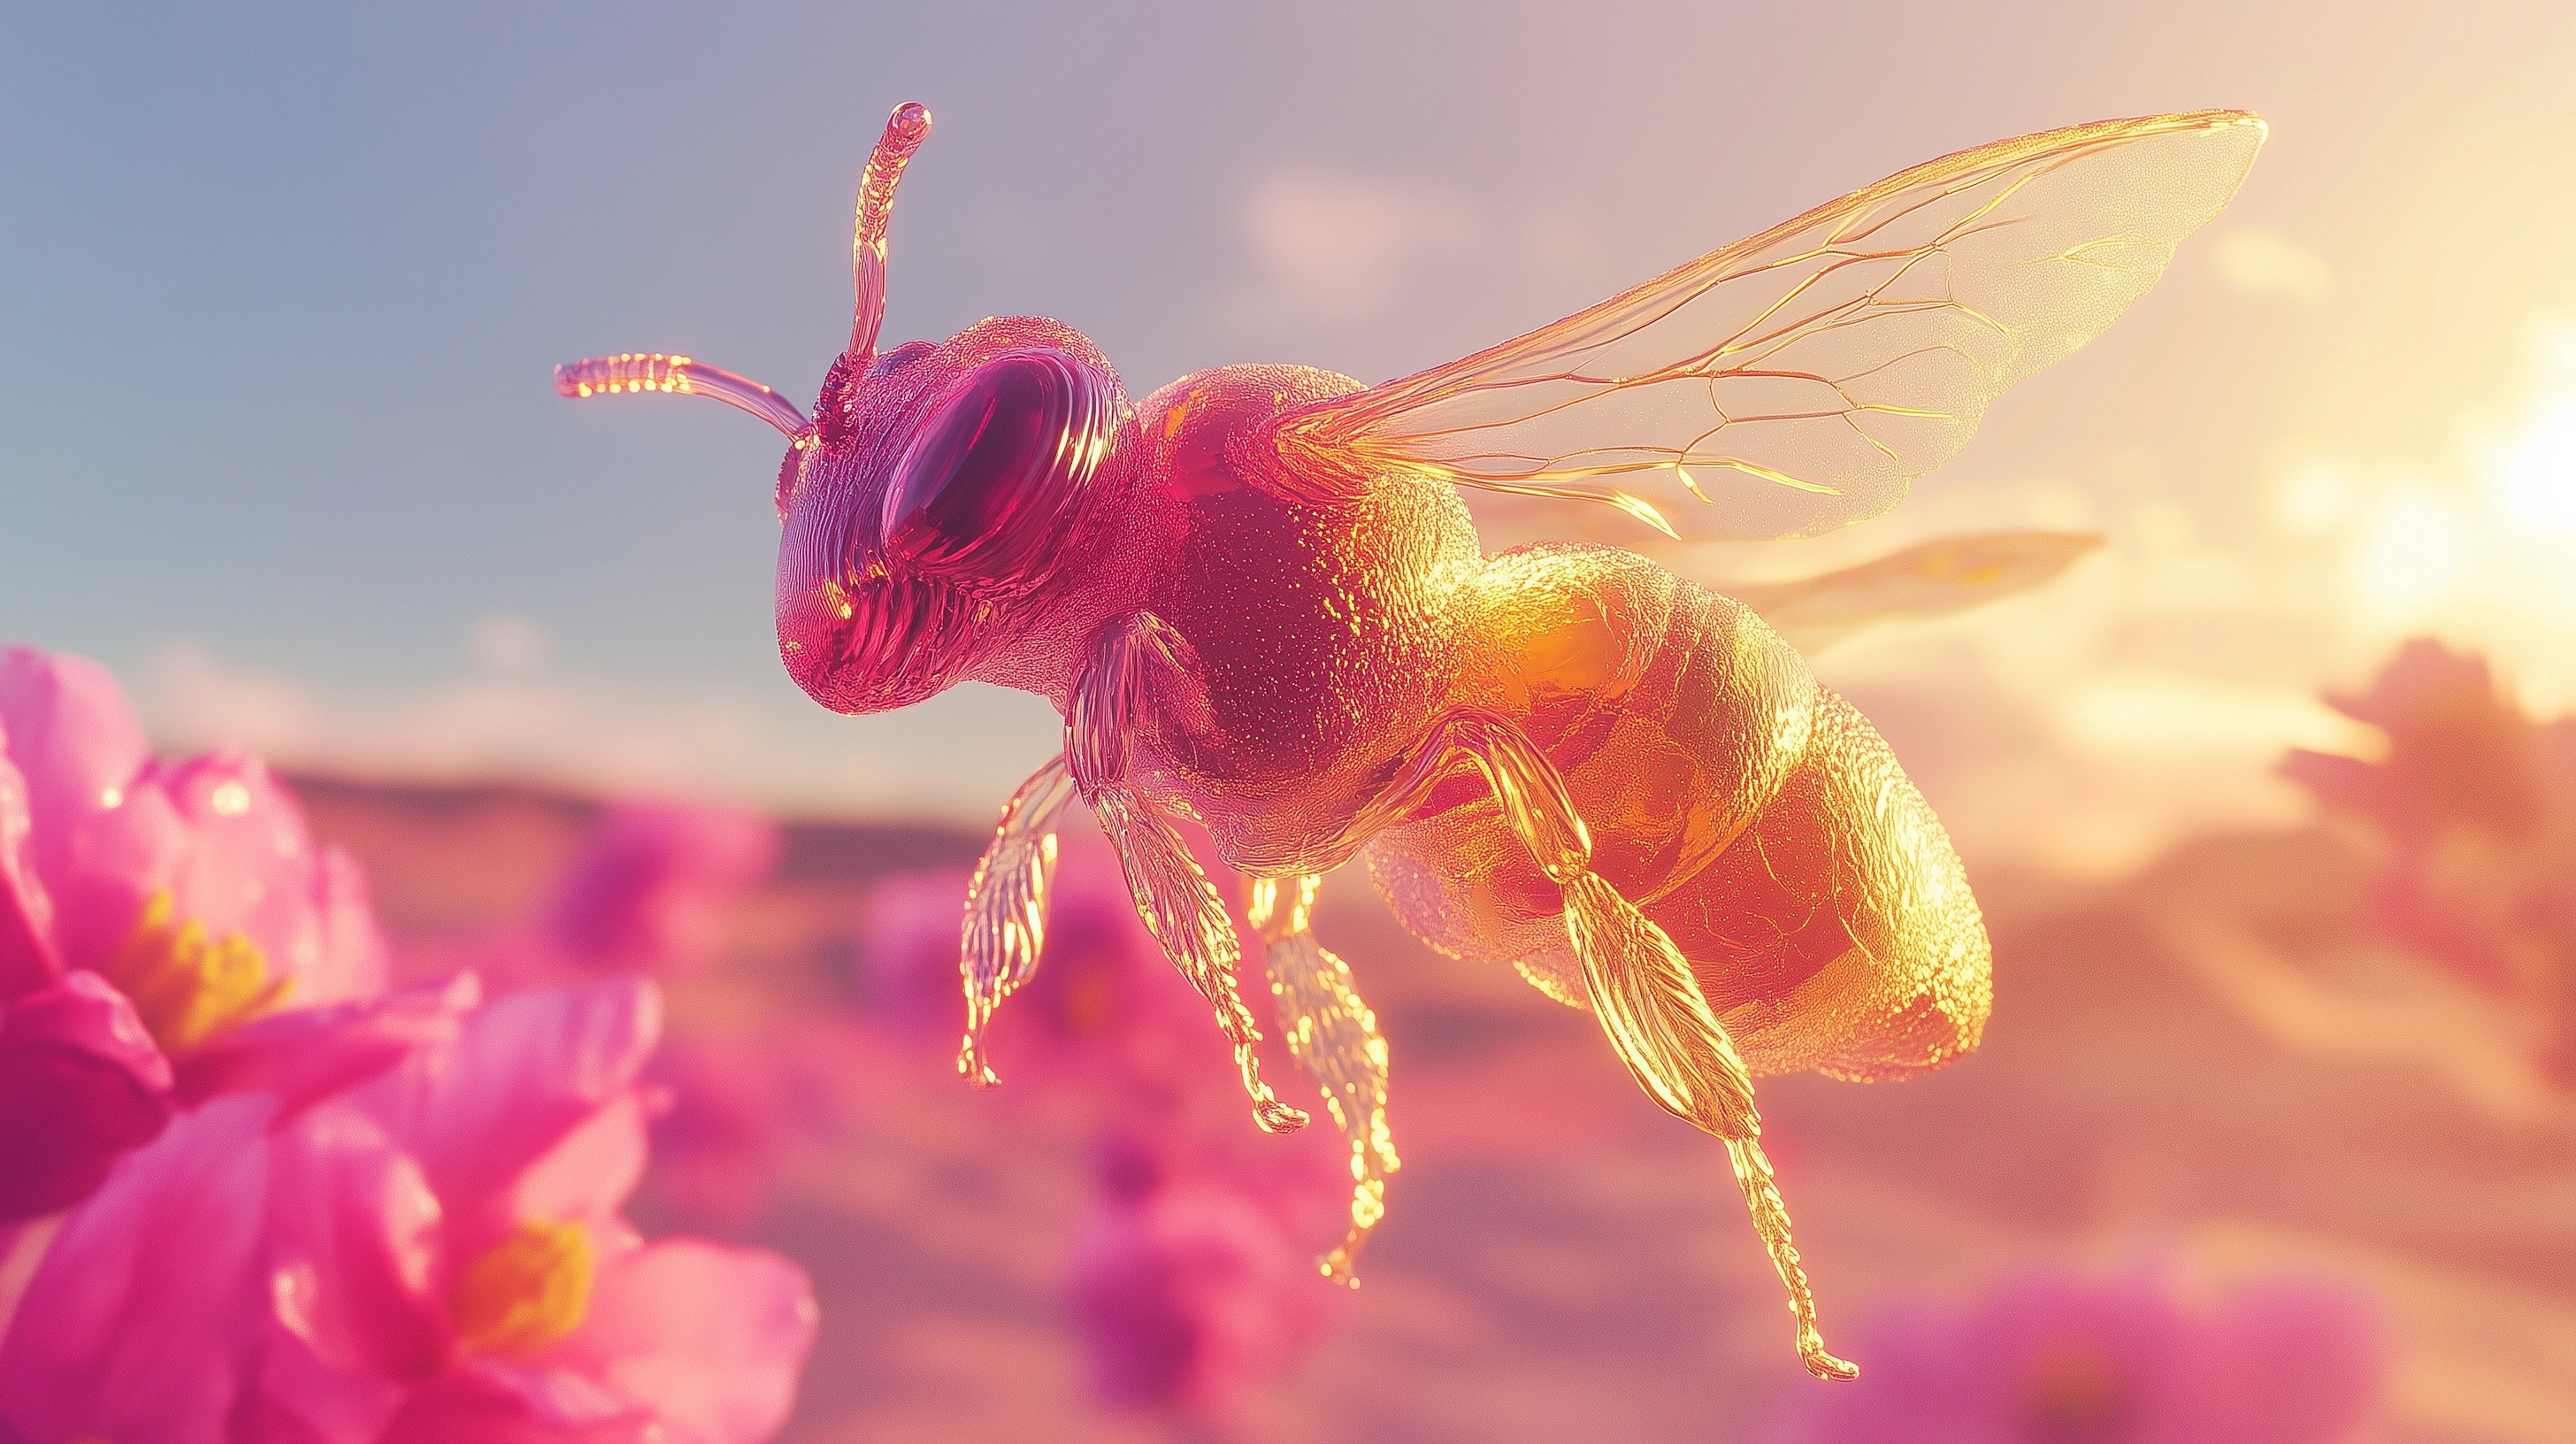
{"type": "Point", "coordinates": [2534, 467]}
{"type": "Point", "coordinates": [2485, 554]}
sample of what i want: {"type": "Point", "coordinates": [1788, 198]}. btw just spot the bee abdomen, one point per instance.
{"type": "Point", "coordinates": [1755, 816]}
{"type": "Point", "coordinates": [1838, 931]}
{"type": "Point", "coordinates": [1673, 713]}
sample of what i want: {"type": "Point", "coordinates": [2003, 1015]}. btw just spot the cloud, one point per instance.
{"type": "Point", "coordinates": [506, 642]}
{"type": "Point", "coordinates": [956, 757]}
{"type": "Point", "coordinates": [1335, 248]}
{"type": "Point", "coordinates": [2262, 263]}
{"type": "Point", "coordinates": [2135, 713]}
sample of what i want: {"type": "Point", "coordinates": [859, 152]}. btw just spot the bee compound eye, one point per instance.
{"type": "Point", "coordinates": [993, 484]}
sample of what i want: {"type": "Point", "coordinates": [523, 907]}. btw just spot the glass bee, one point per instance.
{"type": "Point", "coordinates": [1259, 600]}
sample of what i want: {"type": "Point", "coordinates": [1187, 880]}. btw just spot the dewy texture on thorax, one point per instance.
{"type": "Point", "coordinates": [1326, 630]}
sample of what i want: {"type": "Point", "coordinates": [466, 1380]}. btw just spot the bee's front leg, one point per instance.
{"type": "Point", "coordinates": [1175, 899]}
{"type": "Point", "coordinates": [1643, 991]}
{"type": "Point", "coordinates": [1006, 908]}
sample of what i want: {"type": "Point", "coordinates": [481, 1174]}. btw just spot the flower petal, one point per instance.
{"type": "Point", "coordinates": [587, 1176]}
{"type": "Point", "coordinates": [353, 1239]}
{"type": "Point", "coordinates": [524, 1071]}
{"type": "Point", "coordinates": [494, 1405]}
{"type": "Point", "coordinates": [354, 961]}
{"type": "Point", "coordinates": [27, 959]}
{"type": "Point", "coordinates": [218, 833]}
{"type": "Point", "coordinates": [309, 1053]}
{"type": "Point", "coordinates": [648, 889]}
{"type": "Point", "coordinates": [72, 737]}
{"type": "Point", "coordinates": [1188, 1296]}
{"type": "Point", "coordinates": [710, 1339]}
{"type": "Point", "coordinates": [80, 1083]}
{"type": "Point", "coordinates": [2296, 1361]}
{"type": "Point", "coordinates": [141, 1321]}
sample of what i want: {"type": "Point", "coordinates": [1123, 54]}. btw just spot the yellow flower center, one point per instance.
{"type": "Point", "coordinates": [526, 1291]}
{"type": "Point", "coordinates": [186, 986]}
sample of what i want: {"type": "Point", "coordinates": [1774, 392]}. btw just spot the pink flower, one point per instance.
{"type": "Point", "coordinates": [436, 1254]}
{"type": "Point", "coordinates": [2045, 1358]}
{"type": "Point", "coordinates": [150, 913]}
{"type": "Point", "coordinates": [1188, 1292]}
{"type": "Point", "coordinates": [2461, 753]}
{"type": "Point", "coordinates": [652, 883]}
{"type": "Point", "coordinates": [648, 892]}
{"type": "Point", "coordinates": [908, 944]}
{"type": "Point", "coordinates": [2475, 810]}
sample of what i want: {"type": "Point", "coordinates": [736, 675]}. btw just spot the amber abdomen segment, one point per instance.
{"type": "Point", "coordinates": [1838, 932]}
{"type": "Point", "coordinates": [1755, 817]}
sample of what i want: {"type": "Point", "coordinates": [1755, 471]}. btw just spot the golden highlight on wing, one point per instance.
{"type": "Point", "coordinates": [1794, 382]}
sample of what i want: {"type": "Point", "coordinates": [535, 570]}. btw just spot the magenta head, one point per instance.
{"type": "Point", "coordinates": [950, 494]}
{"type": "Point", "coordinates": [943, 498]}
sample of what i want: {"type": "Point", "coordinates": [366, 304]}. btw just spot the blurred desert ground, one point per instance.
{"type": "Point", "coordinates": [2207, 1063]}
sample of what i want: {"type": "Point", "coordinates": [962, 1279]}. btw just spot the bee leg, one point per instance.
{"type": "Point", "coordinates": [1647, 999]}
{"type": "Point", "coordinates": [1178, 904]}
{"type": "Point", "coordinates": [1334, 1035]}
{"type": "Point", "coordinates": [1006, 908]}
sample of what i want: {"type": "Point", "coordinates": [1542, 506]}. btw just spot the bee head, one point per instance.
{"type": "Point", "coordinates": [944, 498]}
{"type": "Point", "coordinates": [949, 498]}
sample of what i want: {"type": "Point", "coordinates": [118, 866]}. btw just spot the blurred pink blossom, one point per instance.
{"type": "Point", "coordinates": [744, 1105]}
{"type": "Point", "coordinates": [649, 889]}
{"type": "Point", "coordinates": [158, 921]}
{"type": "Point", "coordinates": [1107, 1016]}
{"type": "Point", "coordinates": [908, 948]}
{"type": "Point", "coordinates": [2049, 1358]}
{"type": "Point", "coordinates": [2475, 810]}
{"type": "Point", "coordinates": [1193, 1279]}
{"type": "Point", "coordinates": [1188, 1292]}
{"type": "Point", "coordinates": [647, 892]}
{"type": "Point", "coordinates": [436, 1254]}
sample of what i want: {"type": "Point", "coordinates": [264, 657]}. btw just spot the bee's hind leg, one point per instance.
{"type": "Point", "coordinates": [1334, 1035]}
{"type": "Point", "coordinates": [1646, 998]}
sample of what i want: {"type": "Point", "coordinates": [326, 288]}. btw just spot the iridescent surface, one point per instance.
{"type": "Point", "coordinates": [1006, 908]}
{"type": "Point", "coordinates": [1261, 604]}
{"type": "Point", "coordinates": [1334, 1036]}
{"type": "Point", "coordinates": [1795, 381]}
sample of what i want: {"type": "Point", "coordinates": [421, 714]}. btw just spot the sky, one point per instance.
{"type": "Point", "coordinates": [284, 286]}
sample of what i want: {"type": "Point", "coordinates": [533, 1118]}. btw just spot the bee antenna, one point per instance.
{"type": "Point", "coordinates": [636, 372]}
{"type": "Point", "coordinates": [904, 132]}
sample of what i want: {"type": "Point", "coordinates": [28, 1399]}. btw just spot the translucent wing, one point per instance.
{"type": "Point", "coordinates": [1931, 579]}
{"type": "Point", "coordinates": [1795, 382]}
